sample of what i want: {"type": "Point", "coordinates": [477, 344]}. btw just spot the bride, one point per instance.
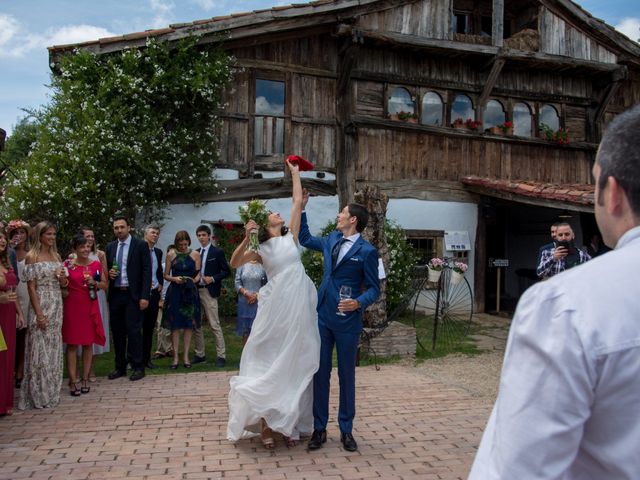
{"type": "Point", "coordinates": [273, 391]}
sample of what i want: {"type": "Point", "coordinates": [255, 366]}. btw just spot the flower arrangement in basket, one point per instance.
{"type": "Point", "coordinates": [472, 124]}
{"type": "Point", "coordinates": [460, 267]}
{"type": "Point", "coordinates": [560, 136]}
{"type": "Point", "coordinates": [506, 127]}
{"type": "Point", "coordinates": [407, 116]}
{"type": "Point", "coordinates": [255, 210]}
{"type": "Point", "coordinates": [435, 267]}
{"type": "Point", "coordinates": [458, 123]}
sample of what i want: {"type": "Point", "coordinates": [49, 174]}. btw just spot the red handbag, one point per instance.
{"type": "Point", "coordinates": [303, 165]}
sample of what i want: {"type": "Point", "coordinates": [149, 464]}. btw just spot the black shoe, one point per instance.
{"type": "Point", "coordinates": [116, 374]}
{"type": "Point", "coordinates": [318, 437]}
{"type": "Point", "coordinates": [137, 375]}
{"type": "Point", "coordinates": [197, 359]}
{"type": "Point", "coordinates": [220, 362]}
{"type": "Point", "coordinates": [150, 365]}
{"type": "Point", "coordinates": [348, 442]}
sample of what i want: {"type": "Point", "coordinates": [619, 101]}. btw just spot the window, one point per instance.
{"type": "Point", "coordinates": [269, 117]}
{"type": "Point", "coordinates": [549, 116]}
{"type": "Point", "coordinates": [462, 107]}
{"type": "Point", "coordinates": [461, 22]}
{"type": "Point", "coordinates": [428, 244]}
{"type": "Point", "coordinates": [486, 26]}
{"type": "Point", "coordinates": [522, 125]}
{"type": "Point", "coordinates": [432, 109]}
{"type": "Point", "coordinates": [400, 100]}
{"type": "Point", "coordinates": [493, 114]}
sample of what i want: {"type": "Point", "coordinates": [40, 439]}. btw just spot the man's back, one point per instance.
{"type": "Point", "coordinates": [570, 386]}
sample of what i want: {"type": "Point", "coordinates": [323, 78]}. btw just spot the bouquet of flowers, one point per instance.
{"type": "Point", "coordinates": [255, 210]}
{"type": "Point", "coordinates": [436, 264]}
{"type": "Point", "coordinates": [460, 267]}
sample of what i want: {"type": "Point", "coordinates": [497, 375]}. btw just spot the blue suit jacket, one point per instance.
{"type": "Point", "coordinates": [216, 266]}
{"type": "Point", "coordinates": [358, 269]}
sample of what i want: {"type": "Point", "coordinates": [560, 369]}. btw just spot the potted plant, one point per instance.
{"type": "Point", "coordinates": [458, 123]}
{"type": "Point", "coordinates": [505, 128]}
{"type": "Point", "coordinates": [560, 136]}
{"type": "Point", "coordinates": [472, 124]}
{"type": "Point", "coordinates": [409, 117]}
{"type": "Point", "coordinates": [459, 269]}
{"type": "Point", "coordinates": [435, 267]}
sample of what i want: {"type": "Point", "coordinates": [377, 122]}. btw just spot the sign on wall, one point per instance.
{"type": "Point", "coordinates": [457, 241]}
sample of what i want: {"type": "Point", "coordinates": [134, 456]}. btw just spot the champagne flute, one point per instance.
{"type": "Point", "coordinates": [345, 293]}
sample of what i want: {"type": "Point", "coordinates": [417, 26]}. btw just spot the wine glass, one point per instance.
{"type": "Point", "coordinates": [345, 292]}
{"type": "Point", "coordinates": [86, 274]}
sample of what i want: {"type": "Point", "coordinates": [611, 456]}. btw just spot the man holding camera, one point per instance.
{"type": "Point", "coordinates": [563, 255]}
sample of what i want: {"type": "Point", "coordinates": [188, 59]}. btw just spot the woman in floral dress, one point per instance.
{"type": "Point", "coordinates": [45, 276]}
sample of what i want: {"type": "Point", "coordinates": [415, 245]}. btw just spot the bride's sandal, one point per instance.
{"type": "Point", "coordinates": [266, 435]}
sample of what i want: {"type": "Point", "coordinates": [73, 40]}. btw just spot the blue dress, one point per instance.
{"type": "Point", "coordinates": [182, 301]}
{"type": "Point", "coordinates": [250, 276]}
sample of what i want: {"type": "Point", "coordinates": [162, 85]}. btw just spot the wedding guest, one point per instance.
{"type": "Point", "coordinates": [18, 232]}
{"type": "Point", "coordinates": [182, 303]}
{"type": "Point", "coordinates": [151, 236]}
{"type": "Point", "coordinates": [250, 277]}
{"type": "Point", "coordinates": [99, 255]}
{"type": "Point", "coordinates": [44, 274]}
{"type": "Point", "coordinates": [164, 347]}
{"type": "Point", "coordinates": [10, 319]}
{"type": "Point", "coordinates": [129, 269]}
{"type": "Point", "coordinates": [82, 324]}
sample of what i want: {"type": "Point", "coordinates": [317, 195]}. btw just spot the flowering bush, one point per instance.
{"type": "Point", "coordinates": [402, 260]}
{"type": "Point", "coordinates": [122, 133]}
{"type": "Point", "coordinates": [460, 267]}
{"type": "Point", "coordinates": [436, 264]}
{"type": "Point", "coordinates": [227, 237]}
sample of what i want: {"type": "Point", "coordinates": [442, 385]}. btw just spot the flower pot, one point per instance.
{"type": "Point", "coordinates": [394, 117]}
{"type": "Point", "coordinates": [434, 275]}
{"type": "Point", "coordinates": [495, 130]}
{"type": "Point", "coordinates": [456, 277]}
{"type": "Point", "coordinates": [460, 127]}
{"type": "Point", "coordinates": [412, 120]}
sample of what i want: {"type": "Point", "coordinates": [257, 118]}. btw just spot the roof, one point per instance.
{"type": "Point", "coordinates": [574, 196]}
{"type": "Point", "coordinates": [255, 18]}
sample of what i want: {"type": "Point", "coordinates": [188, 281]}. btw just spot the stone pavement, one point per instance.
{"type": "Point", "coordinates": [408, 426]}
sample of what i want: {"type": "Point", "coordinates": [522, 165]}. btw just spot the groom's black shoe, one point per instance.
{"type": "Point", "coordinates": [348, 442]}
{"type": "Point", "coordinates": [318, 437]}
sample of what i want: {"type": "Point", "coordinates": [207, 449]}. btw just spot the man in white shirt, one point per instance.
{"type": "Point", "coordinates": [570, 385]}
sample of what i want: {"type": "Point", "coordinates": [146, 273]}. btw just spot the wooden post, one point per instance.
{"type": "Point", "coordinates": [376, 204]}
{"type": "Point", "coordinates": [345, 136]}
{"type": "Point", "coordinates": [497, 30]}
{"type": "Point", "coordinates": [498, 275]}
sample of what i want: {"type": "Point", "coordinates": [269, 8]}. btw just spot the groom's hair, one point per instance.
{"type": "Point", "coordinates": [358, 211]}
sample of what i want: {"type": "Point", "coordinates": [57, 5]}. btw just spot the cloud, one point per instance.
{"type": "Point", "coordinates": [16, 41]}
{"type": "Point", "coordinates": [163, 13]}
{"type": "Point", "coordinates": [630, 26]}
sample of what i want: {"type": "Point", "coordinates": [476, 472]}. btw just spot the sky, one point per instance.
{"type": "Point", "coordinates": [28, 27]}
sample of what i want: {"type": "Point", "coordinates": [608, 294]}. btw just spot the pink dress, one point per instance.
{"type": "Point", "coordinates": [82, 323]}
{"type": "Point", "coordinates": [8, 356]}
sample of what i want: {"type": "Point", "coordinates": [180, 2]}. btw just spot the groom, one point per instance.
{"type": "Point", "coordinates": [350, 261]}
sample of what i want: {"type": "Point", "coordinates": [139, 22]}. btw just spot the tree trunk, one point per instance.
{"type": "Point", "coordinates": [376, 204]}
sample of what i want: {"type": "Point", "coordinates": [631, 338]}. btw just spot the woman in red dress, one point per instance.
{"type": "Point", "coordinates": [82, 323]}
{"type": "Point", "coordinates": [10, 318]}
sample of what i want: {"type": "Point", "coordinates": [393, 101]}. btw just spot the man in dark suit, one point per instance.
{"type": "Point", "coordinates": [129, 267]}
{"type": "Point", "coordinates": [352, 262]}
{"type": "Point", "coordinates": [151, 235]}
{"type": "Point", "coordinates": [214, 268]}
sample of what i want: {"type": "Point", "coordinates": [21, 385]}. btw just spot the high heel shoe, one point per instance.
{"type": "Point", "coordinates": [266, 435]}
{"type": "Point", "coordinates": [74, 389]}
{"type": "Point", "coordinates": [85, 388]}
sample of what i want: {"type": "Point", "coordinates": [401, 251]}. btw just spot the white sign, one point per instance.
{"type": "Point", "coordinates": [457, 241]}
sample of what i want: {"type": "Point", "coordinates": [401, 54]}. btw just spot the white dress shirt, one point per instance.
{"type": "Point", "coordinates": [203, 258]}
{"type": "Point", "coordinates": [346, 246]}
{"type": "Point", "coordinates": [570, 386]}
{"type": "Point", "coordinates": [124, 278]}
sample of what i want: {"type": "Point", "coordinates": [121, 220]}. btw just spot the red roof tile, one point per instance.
{"type": "Point", "coordinates": [581, 194]}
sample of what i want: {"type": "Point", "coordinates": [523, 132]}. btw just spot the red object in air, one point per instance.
{"type": "Point", "coordinates": [303, 165]}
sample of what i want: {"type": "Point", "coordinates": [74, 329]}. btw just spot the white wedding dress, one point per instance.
{"type": "Point", "coordinates": [278, 362]}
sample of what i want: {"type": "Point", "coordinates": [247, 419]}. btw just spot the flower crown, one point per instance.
{"type": "Point", "coordinates": [16, 224]}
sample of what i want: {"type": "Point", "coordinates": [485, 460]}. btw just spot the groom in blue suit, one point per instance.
{"type": "Point", "coordinates": [350, 261]}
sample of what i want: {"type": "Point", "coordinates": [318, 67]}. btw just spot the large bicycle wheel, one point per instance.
{"type": "Point", "coordinates": [442, 312]}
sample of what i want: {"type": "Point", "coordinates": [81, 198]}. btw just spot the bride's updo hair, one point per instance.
{"type": "Point", "coordinates": [263, 234]}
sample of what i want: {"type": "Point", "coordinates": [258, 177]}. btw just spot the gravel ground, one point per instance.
{"type": "Point", "coordinates": [477, 374]}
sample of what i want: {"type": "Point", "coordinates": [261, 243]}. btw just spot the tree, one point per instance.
{"type": "Point", "coordinates": [18, 146]}
{"type": "Point", "coordinates": [122, 133]}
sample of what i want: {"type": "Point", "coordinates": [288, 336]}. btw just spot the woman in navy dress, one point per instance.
{"type": "Point", "coordinates": [181, 311]}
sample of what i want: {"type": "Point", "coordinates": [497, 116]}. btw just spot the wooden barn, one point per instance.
{"type": "Point", "coordinates": [480, 119]}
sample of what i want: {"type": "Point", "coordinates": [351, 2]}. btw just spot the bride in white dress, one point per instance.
{"type": "Point", "coordinates": [273, 390]}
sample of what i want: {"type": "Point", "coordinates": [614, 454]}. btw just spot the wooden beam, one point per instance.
{"type": "Point", "coordinates": [431, 190]}
{"type": "Point", "coordinates": [497, 29]}
{"type": "Point", "coordinates": [284, 67]}
{"type": "Point", "coordinates": [246, 189]}
{"type": "Point", "coordinates": [491, 81]}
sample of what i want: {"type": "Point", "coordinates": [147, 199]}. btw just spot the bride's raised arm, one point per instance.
{"type": "Point", "coordinates": [241, 255]}
{"type": "Point", "coordinates": [296, 208]}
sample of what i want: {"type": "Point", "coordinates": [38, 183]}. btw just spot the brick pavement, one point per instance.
{"type": "Point", "coordinates": [408, 426]}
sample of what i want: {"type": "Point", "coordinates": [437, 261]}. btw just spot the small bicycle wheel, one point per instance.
{"type": "Point", "coordinates": [442, 312]}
